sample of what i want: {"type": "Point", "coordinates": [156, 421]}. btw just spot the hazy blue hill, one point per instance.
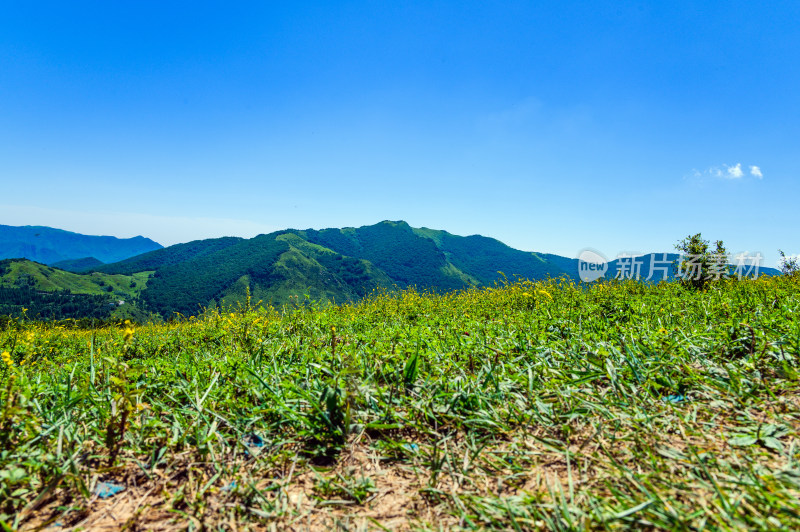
{"type": "Point", "coordinates": [78, 265]}
{"type": "Point", "coordinates": [649, 267]}
{"type": "Point", "coordinates": [172, 255]}
{"type": "Point", "coordinates": [47, 245]}
{"type": "Point", "coordinates": [652, 267]}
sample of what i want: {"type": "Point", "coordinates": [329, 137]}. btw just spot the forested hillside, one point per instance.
{"type": "Point", "coordinates": [44, 292]}
{"type": "Point", "coordinates": [177, 254]}
{"type": "Point", "coordinates": [407, 258]}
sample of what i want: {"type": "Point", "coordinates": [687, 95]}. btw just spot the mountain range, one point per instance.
{"type": "Point", "coordinates": [331, 264]}
{"type": "Point", "coordinates": [53, 246]}
{"type": "Point", "coordinates": [337, 265]}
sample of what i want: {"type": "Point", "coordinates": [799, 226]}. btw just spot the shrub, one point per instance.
{"type": "Point", "coordinates": [699, 264]}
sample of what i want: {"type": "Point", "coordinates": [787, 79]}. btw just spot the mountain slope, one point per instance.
{"type": "Point", "coordinates": [172, 255]}
{"type": "Point", "coordinates": [325, 265]}
{"type": "Point", "coordinates": [187, 286]}
{"type": "Point", "coordinates": [23, 272]}
{"type": "Point", "coordinates": [484, 258]}
{"type": "Point", "coordinates": [47, 245]}
{"type": "Point", "coordinates": [78, 265]}
{"type": "Point", "coordinates": [52, 293]}
{"type": "Point", "coordinates": [309, 269]}
{"type": "Point", "coordinates": [272, 267]}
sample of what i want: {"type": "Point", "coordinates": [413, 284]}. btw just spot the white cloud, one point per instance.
{"type": "Point", "coordinates": [734, 172]}
{"type": "Point", "coordinates": [725, 171]}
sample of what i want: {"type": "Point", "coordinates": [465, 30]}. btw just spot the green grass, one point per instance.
{"type": "Point", "coordinates": [52, 279]}
{"type": "Point", "coordinates": [528, 406]}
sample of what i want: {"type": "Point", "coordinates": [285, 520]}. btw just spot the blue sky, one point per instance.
{"type": "Point", "coordinates": [552, 126]}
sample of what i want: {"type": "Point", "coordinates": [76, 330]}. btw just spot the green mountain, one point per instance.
{"type": "Point", "coordinates": [51, 293]}
{"type": "Point", "coordinates": [272, 267]}
{"type": "Point", "coordinates": [177, 254]}
{"type": "Point", "coordinates": [78, 265]}
{"type": "Point", "coordinates": [325, 265]}
{"type": "Point", "coordinates": [486, 260]}
{"type": "Point", "coordinates": [47, 245]}
{"type": "Point", "coordinates": [407, 258]}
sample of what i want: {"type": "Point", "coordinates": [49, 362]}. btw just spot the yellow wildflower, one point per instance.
{"type": "Point", "coordinates": [128, 332]}
{"type": "Point", "coordinates": [7, 359]}
{"type": "Point", "coordinates": [544, 293]}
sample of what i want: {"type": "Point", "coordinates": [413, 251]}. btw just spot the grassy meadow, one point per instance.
{"type": "Point", "coordinates": [526, 406]}
{"type": "Point", "coordinates": [16, 272]}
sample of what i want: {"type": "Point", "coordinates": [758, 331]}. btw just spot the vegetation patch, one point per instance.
{"type": "Point", "coordinates": [518, 407]}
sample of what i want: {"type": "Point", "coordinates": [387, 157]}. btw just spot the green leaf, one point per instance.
{"type": "Point", "coordinates": [631, 511]}
{"type": "Point", "coordinates": [410, 370]}
{"type": "Point", "coordinates": [769, 430]}
{"type": "Point", "coordinates": [772, 443]}
{"type": "Point", "coordinates": [742, 440]}
{"type": "Point", "coordinates": [670, 452]}
{"type": "Point", "coordinates": [779, 431]}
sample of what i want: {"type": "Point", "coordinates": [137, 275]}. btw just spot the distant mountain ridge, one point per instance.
{"type": "Point", "coordinates": [47, 245]}
{"type": "Point", "coordinates": [336, 265]}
